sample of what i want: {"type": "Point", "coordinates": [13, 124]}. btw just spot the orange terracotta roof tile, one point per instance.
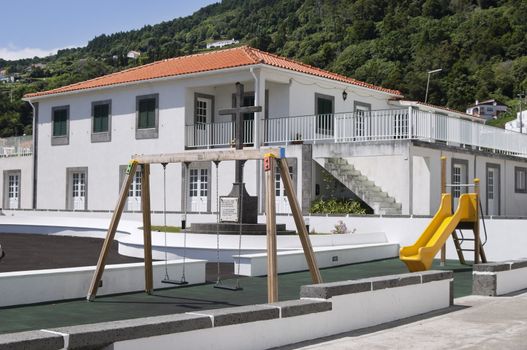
{"type": "Point", "coordinates": [209, 61]}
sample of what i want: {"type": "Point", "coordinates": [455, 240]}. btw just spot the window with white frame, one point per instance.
{"type": "Point", "coordinates": [135, 187]}
{"type": "Point", "coordinates": [361, 116]}
{"type": "Point", "coordinates": [203, 110]}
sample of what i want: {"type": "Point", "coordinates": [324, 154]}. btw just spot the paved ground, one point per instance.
{"type": "Point", "coordinates": [36, 252]}
{"type": "Point", "coordinates": [477, 323]}
{"type": "Point", "coordinates": [198, 297]}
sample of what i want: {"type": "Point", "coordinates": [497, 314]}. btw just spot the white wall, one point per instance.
{"type": "Point", "coordinates": [422, 187]}
{"type": "Point", "coordinates": [511, 203]}
{"type": "Point", "coordinates": [349, 312]}
{"type": "Point", "coordinates": [302, 96]}
{"type": "Point", "coordinates": [506, 237]}
{"type": "Point", "coordinates": [37, 286]}
{"type": "Point", "coordinates": [25, 166]}
{"type": "Point", "coordinates": [390, 173]}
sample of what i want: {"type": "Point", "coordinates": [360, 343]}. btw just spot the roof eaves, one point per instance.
{"type": "Point", "coordinates": [45, 94]}
{"type": "Point", "coordinates": [322, 73]}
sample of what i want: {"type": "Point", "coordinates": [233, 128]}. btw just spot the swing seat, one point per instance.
{"type": "Point", "coordinates": [235, 287]}
{"type": "Point", "coordinates": [176, 282]}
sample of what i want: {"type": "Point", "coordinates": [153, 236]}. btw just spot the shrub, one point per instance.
{"type": "Point", "coordinates": [336, 206]}
{"type": "Point", "coordinates": [340, 228]}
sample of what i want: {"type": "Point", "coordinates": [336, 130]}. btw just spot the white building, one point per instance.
{"type": "Point", "coordinates": [489, 109]}
{"type": "Point", "coordinates": [222, 43]}
{"type": "Point", "coordinates": [518, 123]}
{"type": "Point", "coordinates": [382, 148]}
{"type": "Point", "coordinates": [133, 54]}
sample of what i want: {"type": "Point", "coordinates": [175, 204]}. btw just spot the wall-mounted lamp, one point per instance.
{"type": "Point", "coordinates": [344, 95]}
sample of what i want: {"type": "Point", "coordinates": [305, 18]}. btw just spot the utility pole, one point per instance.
{"type": "Point", "coordinates": [428, 81]}
{"type": "Point", "coordinates": [521, 95]}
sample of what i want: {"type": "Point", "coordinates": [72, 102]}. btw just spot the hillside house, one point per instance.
{"type": "Point", "coordinates": [222, 43]}
{"type": "Point", "coordinates": [379, 147]}
{"type": "Point", "coordinates": [133, 54]}
{"type": "Point", "coordinates": [489, 109]}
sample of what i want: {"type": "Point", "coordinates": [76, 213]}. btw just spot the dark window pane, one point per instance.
{"type": "Point", "coordinates": [60, 122]}
{"type": "Point", "coordinates": [248, 101]}
{"type": "Point", "coordinates": [324, 106]}
{"type": "Point", "coordinates": [147, 113]}
{"type": "Point", "coordinates": [100, 117]}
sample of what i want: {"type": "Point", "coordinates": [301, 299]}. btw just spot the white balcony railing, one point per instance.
{"type": "Point", "coordinates": [382, 125]}
{"type": "Point", "coordinates": [16, 146]}
{"type": "Point", "coordinates": [216, 134]}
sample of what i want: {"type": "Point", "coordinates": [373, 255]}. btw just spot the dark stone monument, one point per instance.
{"type": "Point", "coordinates": [238, 207]}
{"type": "Point", "coordinates": [247, 205]}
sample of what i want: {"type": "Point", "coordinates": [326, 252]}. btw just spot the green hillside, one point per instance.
{"type": "Point", "coordinates": [481, 46]}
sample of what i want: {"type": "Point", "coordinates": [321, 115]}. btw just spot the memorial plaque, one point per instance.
{"type": "Point", "coordinates": [229, 209]}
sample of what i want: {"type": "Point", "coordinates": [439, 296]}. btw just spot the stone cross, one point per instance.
{"type": "Point", "coordinates": [237, 112]}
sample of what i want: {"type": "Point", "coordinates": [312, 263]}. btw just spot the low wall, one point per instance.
{"type": "Point", "coordinates": [323, 310]}
{"type": "Point", "coordinates": [204, 246]}
{"type": "Point", "coordinates": [290, 261]}
{"type": "Point", "coordinates": [37, 286]}
{"type": "Point", "coordinates": [506, 236]}
{"type": "Point", "coordinates": [493, 279]}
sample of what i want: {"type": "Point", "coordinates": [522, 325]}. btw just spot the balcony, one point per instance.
{"type": "Point", "coordinates": [373, 126]}
{"type": "Point", "coordinates": [16, 146]}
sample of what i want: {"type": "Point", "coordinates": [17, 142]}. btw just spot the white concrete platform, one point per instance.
{"type": "Point", "coordinates": [291, 261]}
{"type": "Point", "coordinates": [204, 246]}
{"type": "Point", "coordinates": [37, 286]}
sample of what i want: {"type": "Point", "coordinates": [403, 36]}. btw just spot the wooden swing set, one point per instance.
{"type": "Point", "coordinates": [271, 156]}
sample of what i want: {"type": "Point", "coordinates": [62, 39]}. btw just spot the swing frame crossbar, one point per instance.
{"type": "Point", "coordinates": [269, 155]}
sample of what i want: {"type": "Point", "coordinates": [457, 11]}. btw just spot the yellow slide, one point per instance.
{"type": "Point", "coordinates": [419, 257]}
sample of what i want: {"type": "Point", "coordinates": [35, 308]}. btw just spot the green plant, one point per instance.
{"type": "Point", "coordinates": [340, 228]}
{"type": "Point", "coordinates": [336, 206]}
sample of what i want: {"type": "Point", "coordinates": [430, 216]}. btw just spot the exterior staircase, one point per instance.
{"type": "Point", "coordinates": [365, 189]}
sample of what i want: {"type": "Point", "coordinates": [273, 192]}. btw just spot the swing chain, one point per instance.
{"type": "Point", "coordinates": [167, 279]}
{"type": "Point", "coordinates": [218, 273]}
{"type": "Point", "coordinates": [165, 216]}
{"type": "Point", "coordinates": [186, 164]}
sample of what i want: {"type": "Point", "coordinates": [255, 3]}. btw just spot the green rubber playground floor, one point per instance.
{"type": "Point", "coordinates": [199, 297]}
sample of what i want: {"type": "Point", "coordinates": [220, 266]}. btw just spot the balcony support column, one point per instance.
{"type": "Point", "coordinates": [410, 128]}
{"type": "Point", "coordinates": [259, 100]}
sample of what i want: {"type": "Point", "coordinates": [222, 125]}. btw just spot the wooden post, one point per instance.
{"type": "Point", "coordinates": [299, 221]}
{"type": "Point", "coordinates": [147, 227]}
{"type": "Point", "coordinates": [477, 241]}
{"type": "Point", "coordinates": [443, 190]}
{"type": "Point", "coordinates": [270, 211]}
{"type": "Point", "coordinates": [123, 195]}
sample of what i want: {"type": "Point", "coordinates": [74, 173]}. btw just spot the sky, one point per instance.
{"type": "Point", "coordinates": [31, 28]}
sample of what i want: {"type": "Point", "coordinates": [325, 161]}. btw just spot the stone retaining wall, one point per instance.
{"type": "Point", "coordinates": [323, 310]}
{"type": "Point", "coordinates": [499, 278]}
